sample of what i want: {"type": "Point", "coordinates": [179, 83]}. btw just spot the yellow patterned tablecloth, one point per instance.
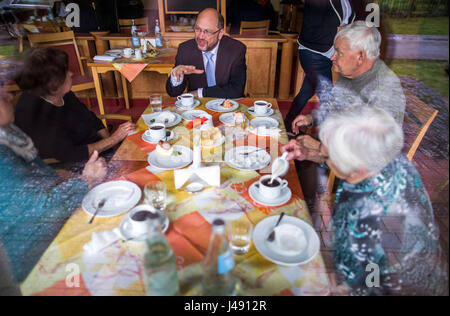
{"type": "Point", "coordinates": [65, 269]}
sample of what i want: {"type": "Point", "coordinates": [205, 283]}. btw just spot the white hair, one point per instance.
{"type": "Point", "coordinates": [361, 136]}
{"type": "Point", "coordinates": [361, 36]}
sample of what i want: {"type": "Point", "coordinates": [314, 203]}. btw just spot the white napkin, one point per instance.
{"type": "Point", "coordinates": [211, 175]}
{"type": "Point", "coordinates": [101, 240]}
{"type": "Point", "coordinates": [104, 58]}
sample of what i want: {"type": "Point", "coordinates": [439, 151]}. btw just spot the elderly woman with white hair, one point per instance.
{"type": "Point", "coordinates": [364, 78]}
{"type": "Point", "coordinates": [362, 146]}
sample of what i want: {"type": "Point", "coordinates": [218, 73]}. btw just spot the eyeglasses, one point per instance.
{"type": "Point", "coordinates": [206, 32]}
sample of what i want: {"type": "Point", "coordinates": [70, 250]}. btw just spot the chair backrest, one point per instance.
{"type": "Point", "coordinates": [141, 24]}
{"type": "Point", "coordinates": [64, 41]}
{"type": "Point", "coordinates": [255, 28]}
{"type": "Point", "coordinates": [418, 118]}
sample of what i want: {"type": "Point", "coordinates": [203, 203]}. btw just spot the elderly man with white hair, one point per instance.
{"type": "Point", "coordinates": [364, 77]}
{"type": "Point", "coordinates": [362, 145]}
{"type": "Point", "coordinates": [364, 80]}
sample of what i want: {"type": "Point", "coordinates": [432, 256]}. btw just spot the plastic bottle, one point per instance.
{"type": "Point", "coordinates": [135, 40]}
{"type": "Point", "coordinates": [218, 278]}
{"type": "Point", "coordinates": [158, 38]}
{"type": "Point", "coordinates": [160, 271]}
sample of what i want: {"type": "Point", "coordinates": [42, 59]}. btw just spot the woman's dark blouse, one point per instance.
{"type": "Point", "coordinates": [63, 132]}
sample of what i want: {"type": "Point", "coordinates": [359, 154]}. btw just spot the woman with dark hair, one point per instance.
{"type": "Point", "coordinates": [34, 203]}
{"type": "Point", "coordinates": [59, 124]}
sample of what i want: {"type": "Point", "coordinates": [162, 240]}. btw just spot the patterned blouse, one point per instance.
{"type": "Point", "coordinates": [409, 257]}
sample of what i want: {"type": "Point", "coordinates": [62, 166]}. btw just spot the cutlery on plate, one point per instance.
{"type": "Point", "coordinates": [99, 207]}
{"type": "Point", "coordinates": [271, 236]}
{"type": "Point", "coordinates": [251, 152]}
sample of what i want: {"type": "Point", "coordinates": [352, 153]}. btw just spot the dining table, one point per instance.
{"type": "Point", "coordinates": [66, 268]}
{"type": "Point", "coordinates": [129, 68]}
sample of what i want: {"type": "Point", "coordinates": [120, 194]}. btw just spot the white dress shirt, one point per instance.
{"type": "Point", "coordinates": [176, 83]}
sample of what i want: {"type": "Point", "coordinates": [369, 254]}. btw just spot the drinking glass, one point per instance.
{"type": "Point", "coordinates": [156, 102]}
{"type": "Point", "coordinates": [156, 194]}
{"type": "Point", "coordinates": [240, 235]}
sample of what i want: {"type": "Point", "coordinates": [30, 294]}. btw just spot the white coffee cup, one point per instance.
{"type": "Point", "coordinates": [128, 52]}
{"type": "Point", "coordinates": [157, 131]}
{"type": "Point", "coordinates": [139, 222]}
{"type": "Point", "coordinates": [261, 107]}
{"type": "Point", "coordinates": [186, 99]}
{"type": "Point", "coordinates": [138, 53]}
{"type": "Point", "coordinates": [271, 191]}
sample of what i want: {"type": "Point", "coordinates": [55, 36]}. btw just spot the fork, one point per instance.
{"type": "Point", "coordinates": [271, 236]}
{"type": "Point", "coordinates": [99, 207]}
{"type": "Point", "coordinates": [246, 154]}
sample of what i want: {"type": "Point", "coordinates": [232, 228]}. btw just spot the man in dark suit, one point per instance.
{"type": "Point", "coordinates": [211, 65]}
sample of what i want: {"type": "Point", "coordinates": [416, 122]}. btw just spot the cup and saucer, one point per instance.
{"type": "Point", "coordinates": [135, 226]}
{"type": "Point", "coordinates": [261, 108]}
{"type": "Point", "coordinates": [157, 132]}
{"type": "Point", "coordinates": [275, 194]}
{"type": "Point", "coordinates": [187, 101]}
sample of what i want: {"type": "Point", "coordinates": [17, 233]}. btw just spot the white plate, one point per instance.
{"type": "Point", "coordinates": [228, 119]}
{"type": "Point", "coordinates": [268, 113]}
{"type": "Point", "coordinates": [215, 105]}
{"type": "Point", "coordinates": [147, 138]}
{"type": "Point", "coordinates": [256, 160]}
{"type": "Point", "coordinates": [125, 224]}
{"type": "Point", "coordinates": [171, 162]}
{"type": "Point", "coordinates": [180, 105]}
{"type": "Point", "coordinates": [266, 122]}
{"type": "Point", "coordinates": [269, 249]}
{"type": "Point", "coordinates": [190, 115]}
{"type": "Point", "coordinates": [284, 197]}
{"type": "Point", "coordinates": [160, 117]}
{"type": "Point", "coordinates": [121, 196]}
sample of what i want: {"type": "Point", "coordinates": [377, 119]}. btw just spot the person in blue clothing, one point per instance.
{"type": "Point", "coordinates": [379, 185]}
{"type": "Point", "coordinates": [34, 204]}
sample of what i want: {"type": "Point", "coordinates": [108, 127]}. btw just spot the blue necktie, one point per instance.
{"type": "Point", "coordinates": [210, 70]}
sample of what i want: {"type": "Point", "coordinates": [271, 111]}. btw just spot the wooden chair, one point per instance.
{"type": "Point", "coordinates": [103, 117]}
{"type": "Point", "coordinates": [255, 28]}
{"type": "Point", "coordinates": [141, 23]}
{"type": "Point", "coordinates": [417, 120]}
{"type": "Point", "coordinates": [66, 42]}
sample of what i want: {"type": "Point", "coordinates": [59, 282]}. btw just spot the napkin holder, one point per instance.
{"type": "Point", "coordinates": [210, 175]}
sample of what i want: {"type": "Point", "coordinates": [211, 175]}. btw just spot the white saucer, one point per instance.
{"type": "Point", "coordinates": [172, 162]}
{"type": "Point", "coordinates": [192, 114]}
{"type": "Point", "coordinates": [284, 197]}
{"type": "Point", "coordinates": [268, 113]}
{"type": "Point", "coordinates": [266, 122]}
{"type": "Point", "coordinates": [215, 105]}
{"type": "Point", "coordinates": [159, 117]}
{"type": "Point", "coordinates": [147, 138]}
{"type": "Point", "coordinates": [179, 105]}
{"type": "Point", "coordinates": [269, 249]}
{"type": "Point", "coordinates": [125, 224]}
{"type": "Point", "coordinates": [120, 196]}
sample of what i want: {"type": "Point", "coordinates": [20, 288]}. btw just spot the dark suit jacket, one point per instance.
{"type": "Point", "coordinates": [231, 70]}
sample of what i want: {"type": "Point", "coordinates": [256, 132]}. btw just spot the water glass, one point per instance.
{"type": "Point", "coordinates": [156, 102]}
{"type": "Point", "coordinates": [156, 194]}
{"type": "Point", "coordinates": [240, 235]}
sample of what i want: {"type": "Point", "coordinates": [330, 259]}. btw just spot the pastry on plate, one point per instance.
{"type": "Point", "coordinates": [227, 104]}
{"type": "Point", "coordinates": [164, 149]}
{"type": "Point", "coordinates": [211, 136]}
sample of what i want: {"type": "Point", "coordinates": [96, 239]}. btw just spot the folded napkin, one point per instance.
{"type": "Point", "coordinates": [102, 240]}
{"type": "Point", "coordinates": [130, 71]}
{"type": "Point", "coordinates": [210, 175]}
{"type": "Point", "coordinates": [104, 58]}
